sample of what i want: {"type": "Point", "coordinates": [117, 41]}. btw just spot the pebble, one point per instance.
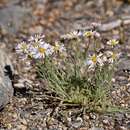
{"type": "Point", "coordinates": [23, 121]}
{"type": "Point", "coordinates": [92, 116]}
{"type": "Point", "coordinates": [127, 115]}
{"type": "Point", "coordinates": [22, 127]}
{"type": "Point", "coordinates": [36, 29]}
{"type": "Point", "coordinates": [19, 85]}
{"type": "Point", "coordinates": [106, 122]}
{"type": "Point", "coordinates": [83, 128]}
{"type": "Point", "coordinates": [96, 128]}
{"type": "Point", "coordinates": [113, 80]}
{"type": "Point", "coordinates": [128, 90]}
{"type": "Point", "coordinates": [119, 116]}
{"type": "Point", "coordinates": [121, 128]}
{"type": "Point", "coordinates": [123, 105]}
{"type": "Point", "coordinates": [78, 122]}
{"type": "Point", "coordinates": [123, 88]}
{"type": "Point", "coordinates": [23, 100]}
{"type": "Point", "coordinates": [121, 78]}
{"type": "Point", "coordinates": [86, 117]}
{"type": "Point", "coordinates": [128, 125]}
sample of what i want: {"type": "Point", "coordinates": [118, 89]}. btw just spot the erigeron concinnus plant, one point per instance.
{"type": "Point", "coordinates": [74, 69]}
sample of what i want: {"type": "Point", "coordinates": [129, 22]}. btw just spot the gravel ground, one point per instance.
{"type": "Point", "coordinates": [30, 109]}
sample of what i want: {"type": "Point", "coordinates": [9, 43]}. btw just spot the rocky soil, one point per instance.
{"type": "Point", "coordinates": [30, 109]}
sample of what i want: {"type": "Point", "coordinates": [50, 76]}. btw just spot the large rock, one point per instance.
{"type": "Point", "coordinates": [124, 64]}
{"type": "Point", "coordinates": [6, 89]}
{"type": "Point", "coordinates": [13, 16]}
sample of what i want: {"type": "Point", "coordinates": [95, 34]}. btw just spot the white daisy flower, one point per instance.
{"type": "Point", "coordinates": [22, 47]}
{"type": "Point", "coordinates": [71, 35]}
{"type": "Point", "coordinates": [93, 60]}
{"type": "Point", "coordinates": [113, 42]}
{"type": "Point", "coordinates": [36, 38]}
{"type": "Point", "coordinates": [76, 34]}
{"type": "Point", "coordinates": [42, 51]}
{"type": "Point", "coordinates": [112, 57]}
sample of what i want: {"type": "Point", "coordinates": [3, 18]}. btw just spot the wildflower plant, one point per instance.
{"type": "Point", "coordinates": [75, 71]}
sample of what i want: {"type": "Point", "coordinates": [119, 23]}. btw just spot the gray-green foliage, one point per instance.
{"type": "Point", "coordinates": [75, 84]}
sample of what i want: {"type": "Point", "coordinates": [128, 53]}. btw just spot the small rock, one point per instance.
{"type": "Point", "coordinates": [119, 116]}
{"type": "Point", "coordinates": [19, 85]}
{"type": "Point", "coordinates": [124, 64]}
{"type": "Point", "coordinates": [36, 29]}
{"type": "Point", "coordinates": [128, 125]}
{"type": "Point", "coordinates": [121, 78]}
{"type": "Point", "coordinates": [113, 80]}
{"type": "Point", "coordinates": [24, 122]}
{"type": "Point", "coordinates": [96, 128]}
{"type": "Point", "coordinates": [128, 90]}
{"type": "Point", "coordinates": [121, 128]}
{"type": "Point", "coordinates": [105, 121]}
{"type": "Point", "coordinates": [127, 115]}
{"type": "Point", "coordinates": [83, 128]}
{"type": "Point", "coordinates": [92, 116]}
{"type": "Point", "coordinates": [86, 117]}
{"type": "Point", "coordinates": [22, 127]}
{"type": "Point", "coordinates": [78, 122]}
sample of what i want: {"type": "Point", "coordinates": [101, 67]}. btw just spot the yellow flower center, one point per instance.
{"type": "Point", "coordinates": [57, 47]}
{"type": "Point", "coordinates": [88, 34]}
{"type": "Point", "coordinates": [42, 50]}
{"type": "Point", "coordinates": [114, 42]}
{"type": "Point", "coordinates": [113, 56]}
{"type": "Point", "coordinates": [24, 46]}
{"type": "Point", "coordinates": [94, 58]}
